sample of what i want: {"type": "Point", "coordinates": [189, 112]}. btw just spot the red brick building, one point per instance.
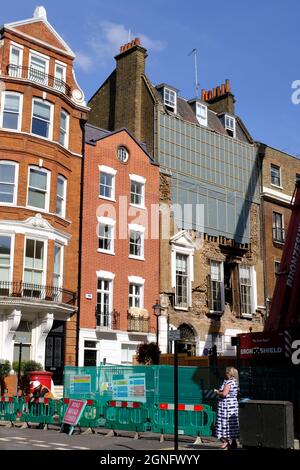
{"type": "Point", "coordinates": [120, 247]}
{"type": "Point", "coordinates": [41, 117]}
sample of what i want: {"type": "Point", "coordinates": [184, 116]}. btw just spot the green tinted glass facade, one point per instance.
{"type": "Point", "coordinates": [210, 169]}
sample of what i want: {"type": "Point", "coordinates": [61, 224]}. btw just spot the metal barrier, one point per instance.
{"type": "Point", "coordinates": [92, 417]}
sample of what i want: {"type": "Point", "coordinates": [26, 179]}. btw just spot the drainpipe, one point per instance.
{"type": "Point", "coordinates": [82, 126]}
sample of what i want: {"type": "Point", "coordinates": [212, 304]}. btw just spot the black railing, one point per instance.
{"type": "Point", "coordinates": [278, 235]}
{"type": "Point", "coordinates": [137, 323]}
{"type": "Point", "coordinates": [34, 75]}
{"type": "Point", "coordinates": [107, 320]}
{"type": "Point", "coordinates": [37, 292]}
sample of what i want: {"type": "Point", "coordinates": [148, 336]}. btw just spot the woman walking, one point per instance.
{"type": "Point", "coordinates": [227, 425]}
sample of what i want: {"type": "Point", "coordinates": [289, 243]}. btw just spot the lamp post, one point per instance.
{"type": "Point", "coordinates": [157, 312]}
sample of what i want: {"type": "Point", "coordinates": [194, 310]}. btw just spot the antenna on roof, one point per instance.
{"type": "Point", "coordinates": [194, 51]}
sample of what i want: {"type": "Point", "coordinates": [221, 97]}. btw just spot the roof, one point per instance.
{"type": "Point", "coordinates": [93, 134]}
{"type": "Point", "coordinates": [185, 111]}
{"type": "Point", "coordinates": [40, 15]}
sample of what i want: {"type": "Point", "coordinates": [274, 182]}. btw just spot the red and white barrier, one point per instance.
{"type": "Point", "coordinates": [181, 407]}
{"type": "Point", "coordinates": [124, 404]}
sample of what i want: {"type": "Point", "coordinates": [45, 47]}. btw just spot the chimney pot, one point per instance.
{"type": "Point", "coordinates": [214, 92]}
{"type": "Point", "coordinates": [222, 89]}
{"type": "Point", "coordinates": [137, 41]}
{"type": "Point", "coordinates": [218, 90]}
{"type": "Point", "coordinates": [227, 85]}
{"type": "Point", "coordinates": [203, 94]}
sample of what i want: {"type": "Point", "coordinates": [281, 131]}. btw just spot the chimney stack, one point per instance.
{"type": "Point", "coordinates": [220, 99]}
{"type": "Point", "coordinates": [130, 68]}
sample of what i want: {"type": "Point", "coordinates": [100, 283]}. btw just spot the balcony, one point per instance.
{"type": "Point", "coordinates": [137, 323]}
{"type": "Point", "coordinates": [278, 235]}
{"type": "Point", "coordinates": [107, 321]}
{"type": "Point", "coordinates": [35, 292]}
{"type": "Point", "coordinates": [38, 77]}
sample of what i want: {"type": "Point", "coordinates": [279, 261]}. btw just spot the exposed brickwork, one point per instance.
{"type": "Point", "coordinates": [289, 168]}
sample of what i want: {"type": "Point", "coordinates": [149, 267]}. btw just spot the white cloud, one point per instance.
{"type": "Point", "coordinates": [83, 61]}
{"type": "Point", "coordinates": [110, 36]}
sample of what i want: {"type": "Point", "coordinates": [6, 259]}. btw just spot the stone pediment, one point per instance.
{"type": "Point", "coordinates": [183, 239]}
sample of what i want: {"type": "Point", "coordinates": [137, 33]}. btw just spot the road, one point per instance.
{"type": "Point", "coordinates": [15, 438]}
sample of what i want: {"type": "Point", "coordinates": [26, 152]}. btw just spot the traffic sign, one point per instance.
{"type": "Point", "coordinates": [174, 335]}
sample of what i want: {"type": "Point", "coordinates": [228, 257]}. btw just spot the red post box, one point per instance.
{"type": "Point", "coordinates": [44, 377]}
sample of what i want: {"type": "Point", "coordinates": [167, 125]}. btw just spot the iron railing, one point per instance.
{"type": "Point", "coordinates": [41, 78]}
{"type": "Point", "coordinates": [278, 235]}
{"type": "Point", "coordinates": [37, 292]}
{"type": "Point", "coordinates": [137, 323]}
{"type": "Point", "coordinates": [107, 320]}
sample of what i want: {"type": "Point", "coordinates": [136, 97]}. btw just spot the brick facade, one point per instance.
{"type": "Point", "coordinates": [104, 153]}
{"type": "Point", "coordinates": [25, 149]}
{"type": "Point", "coordinates": [276, 198]}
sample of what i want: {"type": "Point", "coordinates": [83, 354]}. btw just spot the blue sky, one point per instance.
{"type": "Point", "coordinates": [255, 44]}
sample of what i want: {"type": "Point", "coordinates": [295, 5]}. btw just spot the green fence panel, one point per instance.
{"type": "Point", "coordinates": [125, 417]}
{"type": "Point", "coordinates": [9, 408]}
{"type": "Point", "coordinates": [43, 411]}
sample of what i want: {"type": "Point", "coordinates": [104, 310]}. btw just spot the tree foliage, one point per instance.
{"type": "Point", "coordinates": [148, 353]}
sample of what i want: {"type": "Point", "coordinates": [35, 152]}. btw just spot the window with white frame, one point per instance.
{"type": "Point", "coordinates": [42, 118]}
{"type": "Point", "coordinates": [64, 128]}
{"type": "Point", "coordinates": [136, 242]}
{"type": "Point", "coordinates": [61, 196]}
{"type": "Point", "coordinates": [170, 97]}
{"type": "Point", "coordinates": [11, 110]}
{"type": "Point", "coordinates": [58, 266]}
{"type": "Point", "coordinates": [217, 286]}
{"type": "Point", "coordinates": [218, 341]}
{"type": "Point", "coordinates": [34, 275]}
{"type": "Point", "coordinates": [107, 182]}
{"type": "Point", "coordinates": [135, 298]}
{"type": "Point", "coordinates": [182, 281]}
{"type": "Point", "coordinates": [106, 235]}
{"type": "Point", "coordinates": [60, 77]}
{"type": "Point", "coordinates": [38, 68]}
{"type": "Point", "coordinates": [38, 188]}
{"type": "Point", "coordinates": [137, 190]}
{"type": "Point", "coordinates": [127, 353]}
{"type": "Point", "coordinates": [5, 263]}
{"type": "Point", "coordinates": [275, 175]}
{"type": "Point", "coordinates": [104, 302]}
{"type": "Point", "coordinates": [230, 125]}
{"type": "Point", "coordinates": [23, 335]}
{"type": "Point", "coordinates": [90, 353]}
{"type": "Point", "coordinates": [201, 113]}
{"type": "Point", "coordinates": [276, 266]}
{"type": "Point", "coordinates": [8, 182]}
{"type": "Point", "coordinates": [245, 289]}
{"type": "Point", "coordinates": [278, 227]}
{"type": "Point", "coordinates": [15, 61]}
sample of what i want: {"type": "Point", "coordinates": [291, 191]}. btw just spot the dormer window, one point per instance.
{"type": "Point", "coordinates": [201, 113]}
{"type": "Point", "coordinates": [170, 99]}
{"type": "Point", "coordinates": [230, 125]}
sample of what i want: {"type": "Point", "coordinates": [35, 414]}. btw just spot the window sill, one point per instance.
{"type": "Point", "coordinates": [136, 206]}
{"type": "Point", "coordinates": [107, 198]}
{"type": "Point", "coordinates": [184, 309]}
{"type": "Point", "coordinates": [106, 252]}
{"type": "Point", "coordinates": [276, 186]}
{"type": "Point", "coordinates": [37, 209]}
{"type": "Point", "coordinates": [246, 315]}
{"type": "Point", "coordinates": [216, 312]}
{"type": "Point", "coordinates": [49, 139]}
{"type": "Point", "coordinates": [140, 258]}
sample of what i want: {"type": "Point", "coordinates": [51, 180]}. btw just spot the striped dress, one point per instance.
{"type": "Point", "coordinates": [227, 424]}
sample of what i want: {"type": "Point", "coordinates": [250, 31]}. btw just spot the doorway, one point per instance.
{"type": "Point", "coordinates": [54, 357]}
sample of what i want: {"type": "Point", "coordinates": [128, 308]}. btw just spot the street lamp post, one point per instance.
{"type": "Point", "coordinates": [157, 312]}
